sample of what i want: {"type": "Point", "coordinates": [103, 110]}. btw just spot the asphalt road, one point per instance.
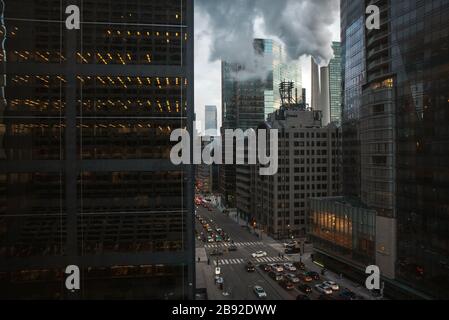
{"type": "Point", "coordinates": [237, 280]}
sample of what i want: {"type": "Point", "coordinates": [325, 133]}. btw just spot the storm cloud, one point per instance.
{"type": "Point", "coordinates": [303, 26]}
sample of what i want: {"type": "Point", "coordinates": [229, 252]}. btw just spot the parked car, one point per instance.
{"type": "Point", "coordinates": [292, 278]}
{"type": "Point", "coordinates": [321, 288]}
{"type": "Point", "coordinates": [217, 271]}
{"type": "Point", "coordinates": [331, 284]}
{"type": "Point", "coordinates": [302, 297]}
{"type": "Point", "coordinates": [289, 267]}
{"type": "Point", "coordinates": [250, 267]}
{"type": "Point", "coordinates": [259, 254]}
{"type": "Point", "coordinates": [305, 288]}
{"type": "Point", "coordinates": [260, 292]}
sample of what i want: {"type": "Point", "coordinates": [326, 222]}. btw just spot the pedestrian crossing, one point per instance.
{"type": "Point", "coordinates": [238, 244]}
{"type": "Point", "coordinates": [272, 259]}
{"type": "Point", "coordinates": [223, 262]}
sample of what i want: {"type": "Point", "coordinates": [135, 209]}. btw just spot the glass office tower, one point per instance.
{"type": "Point", "coordinates": [85, 174]}
{"type": "Point", "coordinates": [335, 84]}
{"type": "Point", "coordinates": [420, 63]}
{"type": "Point", "coordinates": [353, 76]}
{"type": "Point", "coordinates": [395, 138]}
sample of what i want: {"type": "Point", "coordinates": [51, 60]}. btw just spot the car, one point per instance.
{"type": "Point", "coordinates": [321, 288]}
{"type": "Point", "coordinates": [210, 239]}
{"type": "Point", "coordinates": [290, 244]}
{"type": "Point", "coordinates": [216, 252]}
{"type": "Point", "coordinates": [219, 280]}
{"type": "Point", "coordinates": [276, 276]}
{"type": "Point", "coordinates": [250, 267]}
{"type": "Point", "coordinates": [265, 267]}
{"type": "Point", "coordinates": [219, 230]}
{"type": "Point", "coordinates": [305, 288]}
{"type": "Point", "coordinates": [292, 278]}
{"type": "Point", "coordinates": [289, 267]}
{"type": "Point", "coordinates": [209, 230]}
{"type": "Point", "coordinates": [232, 247]}
{"type": "Point", "coordinates": [299, 265]}
{"type": "Point", "coordinates": [277, 267]}
{"type": "Point", "coordinates": [305, 277]}
{"type": "Point", "coordinates": [347, 294]}
{"type": "Point", "coordinates": [314, 275]}
{"type": "Point", "coordinates": [331, 284]}
{"type": "Point", "coordinates": [217, 271]}
{"type": "Point", "coordinates": [260, 292]}
{"type": "Point", "coordinates": [218, 239]}
{"type": "Point", "coordinates": [287, 285]}
{"type": "Point", "coordinates": [259, 254]}
{"type": "Point", "coordinates": [302, 297]}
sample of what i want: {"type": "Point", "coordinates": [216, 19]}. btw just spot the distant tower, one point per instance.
{"type": "Point", "coordinates": [315, 86]}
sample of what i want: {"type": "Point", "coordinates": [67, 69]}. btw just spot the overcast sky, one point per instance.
{"type": "Point", "coordinates": [208, 72]}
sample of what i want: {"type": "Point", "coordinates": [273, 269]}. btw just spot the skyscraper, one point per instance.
{"type": "Point", "coordinates": [335, 84]}
{"type": "Point", "coordinates": [85, 174]}
{"type": "Point", "coordinates": [395, 146]}
{"type": "Point", "coordinates": [326, 87]}
{"type": "Point", "coordinates": [211, 122]}
{"type": "Point", "coordinates": [249, 99]}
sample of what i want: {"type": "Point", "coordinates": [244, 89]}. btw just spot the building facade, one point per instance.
{"type": "Point", "coordinates": [335, 97]}
{"type": "Point", "coordinates": [326, 87]}
{"type": "Point", "coordinates": [308, 167]}
{"type": "Point", "coordinates": [395, 142]}
{"type": "Point", "coordinates": [211, 121]}
{"type": "Point", "coordinates": [85, 173]}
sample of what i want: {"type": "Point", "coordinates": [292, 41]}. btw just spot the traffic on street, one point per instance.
{"type": "Point", "coordinates": [247, 266]}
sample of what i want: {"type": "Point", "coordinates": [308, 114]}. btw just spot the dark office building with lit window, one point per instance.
{"type": "Point", "coordinates": [85, 173]}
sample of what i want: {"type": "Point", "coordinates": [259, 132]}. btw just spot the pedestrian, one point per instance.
{"type": "Point", "coordinates": [199, 259]}
{"type": "Point", "coordinates": [208, 261]}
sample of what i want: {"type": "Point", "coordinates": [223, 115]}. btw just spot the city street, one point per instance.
{"type": "Point", "coordinates": [238, 284]}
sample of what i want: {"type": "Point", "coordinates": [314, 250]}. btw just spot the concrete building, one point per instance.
{"type": "Point", "coordinates": [308, 167]}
